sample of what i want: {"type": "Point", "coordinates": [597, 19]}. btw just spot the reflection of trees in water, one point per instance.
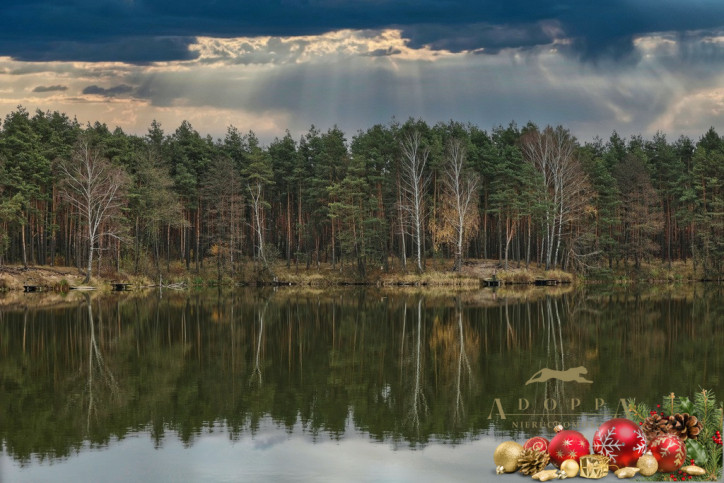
{"type": "Point", "coordinates": [453, 343]}
{"type": "Point", "coordinates": [463, 361]}
{"type": "Point", "coordinates": [555, 359]}
{"type": "Point", "coordinates": [105, 378]}
{"type": "Point", "coordinates": [400, 369]}
{"type": "Point", "coordinates": [256, 372]}
{"type": "Point", "coordinates": [418, 402]}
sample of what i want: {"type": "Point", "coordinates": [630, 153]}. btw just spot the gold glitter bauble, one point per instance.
{"type": "Point", "coordinates": [648, 464]}
{"type": "Point", "coordinates": [506, 455]}
{"type": "Point", "coordinates": [570, 467]}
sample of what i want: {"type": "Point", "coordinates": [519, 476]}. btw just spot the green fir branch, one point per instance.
{"type": "Point", "coordinates": [708, 411]}
{"type": "Point", "coordinates": [638, 412]}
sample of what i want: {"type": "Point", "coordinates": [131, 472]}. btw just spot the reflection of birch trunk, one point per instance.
{"type": "Point", "coordinates": [462, 358]}
{"type": "Point", "coordinates": [509, 332]}
{"type": "Point", "coordinates": [89, 386]}
{"type": "Point", "coordinates": [96, 362]}
{"type": "Point", "coordinates": [418, 398]}
{"type": "Point", "coordinates": [257, 367]}
{"type": "Point", "coordinates": [555, 339]}
{"type": "Point", "coordinates": [402, 341]}
{"type": "Point", "coordinates": [561, 389]}
{"type": "Point", "coordinates": [25, 327]}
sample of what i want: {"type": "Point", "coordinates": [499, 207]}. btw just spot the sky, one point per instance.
{"type": "Point", "coordinates": [634, 66]}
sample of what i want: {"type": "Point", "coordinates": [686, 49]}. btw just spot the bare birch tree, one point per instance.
{"type": "Point", "coordinates": [259, 175]}
{"type": "Point", "coordinates": [461, 192]}
{"type": "Point", "coordinates": [413, 184]}
{"type": "Point", "coordinates": [95, 188]}
{"type": "Point", "coordinates": [553, 153]}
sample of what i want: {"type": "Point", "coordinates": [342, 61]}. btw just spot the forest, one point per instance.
{"type": "Point", "coordinates": [391, 197]}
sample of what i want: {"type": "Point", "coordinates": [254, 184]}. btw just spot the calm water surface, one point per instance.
{"type": "Point", "coordinates": [355, 385]}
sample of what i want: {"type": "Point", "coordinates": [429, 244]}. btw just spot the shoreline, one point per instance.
{"type": "Point", "coordinates": [474, 274]}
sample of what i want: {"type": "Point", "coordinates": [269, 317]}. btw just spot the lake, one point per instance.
{"type": "Point", "coordinates": [332, 384]}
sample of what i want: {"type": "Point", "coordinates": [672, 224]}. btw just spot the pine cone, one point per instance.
{"type": "Point", "coordinates": [684, 426]}
{"type": "Point", "coordinates": [654, 426]}
{"type": "Point", "coordinates": [532, 461]}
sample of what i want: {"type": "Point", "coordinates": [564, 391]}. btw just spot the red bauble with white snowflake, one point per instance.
{"type": "Point", "coordinates": [669, 451]}
{"type": "Point", "coordinates": [567, 445]}
{"type": "Point", "coordinates": [538, 443]}
{"type": "Point", "coordinates": [621, 440]}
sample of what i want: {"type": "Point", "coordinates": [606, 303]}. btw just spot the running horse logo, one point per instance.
{"type": "Point", "coordinates": [575, 374]}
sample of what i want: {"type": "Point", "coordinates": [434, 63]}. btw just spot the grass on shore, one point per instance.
{"type": "Point", "coordinates": [438, 273]}
{"type": "Point", "coordinates": [652, 272]}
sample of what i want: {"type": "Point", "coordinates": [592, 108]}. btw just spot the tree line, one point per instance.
{"type": "Point", "coordinates": [391, 197]}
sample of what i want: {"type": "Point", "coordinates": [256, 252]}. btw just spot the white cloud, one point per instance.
{"type": "Point", "coordinates": [329, 47]}
{"type": "Point", "coordinates": [692, 111]}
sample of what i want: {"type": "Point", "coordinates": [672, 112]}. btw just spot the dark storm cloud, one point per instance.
{"type": "Point", "coordinates": [478, 36]}
{"type": "Point", "coordinates": [110, 92]}
{"type": "Point", "coordinates": [140, 31]}
{"type": "Point", "coordinates": [50, 88]}
{"type": "Point", "coordinates": [133, 50]}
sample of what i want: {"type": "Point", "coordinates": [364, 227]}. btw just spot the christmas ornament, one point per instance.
{"type": "Point", "coordinates": [627, 472]}
{"type": "Point", "coordinates": [499, 470]}
{"type": "Point", "coordinates": [570, 467]}
{"type": "Point", "coordinates": [654, 426]}
{"type": "Point", "coordinates": [506, 455]}
{"type": "Point", "coordinates": [669, 451]}
{"type": "Point", "coordinates": [684, 426]}
{"type": "Point", "coordinates": [702, 444]}
{"type": "Point", "coordinates": [693, 470]}
{"type": "Point", "coordinates": [647, 464]}
{"type": "Point", "coordinates": [532, 461]}
{"type": "Point", "coordinates": [567, 444]}
{"type": "Point", "coordinates": [538, 443]}
{"type": "Point", "coordinates": [593, 466]}
{"type": "Point", "coordinates": [621, 440]}
{"type": "Point", "coordinates": [546, 475]}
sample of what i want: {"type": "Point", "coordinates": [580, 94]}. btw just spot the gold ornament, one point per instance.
{"type": "Point", "coordinates": [570, 467]}
{"type": "Point", "coordinates": [593, 466]}
{"type": "Point", "coordinates": [647, 464]}
{"type": "Point", "coordinates": [546, 475]}
{"type": "Point", "coordinates": [506, 455]}
{"type": "Point", "coordinates": [627, 472]}
{"type": "Point", "coordinates": [499, 470]}
{"type": "Point", "coordinates": [693, 470]}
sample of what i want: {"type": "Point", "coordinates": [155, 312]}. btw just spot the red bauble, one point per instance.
{"type": "Point", "coordinates": [537, 443]}
{"type": "Point", "coordinates": [621, 440]}
{"type": "Point", "coordinates": [669, 451]}
{"type": "Point", "coordinates": [567, 445]}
